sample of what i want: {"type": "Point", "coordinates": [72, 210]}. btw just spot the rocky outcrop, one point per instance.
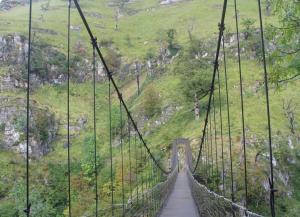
{"type": "Point", "coordinates": [6, 5]}
{"type": "Point", "coordinates": [43, 127]}
{"type": "Point", "coordinates": [48, 64]}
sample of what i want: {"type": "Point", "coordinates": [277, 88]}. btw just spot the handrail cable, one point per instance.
{"type": "Point", "coordinates": [221, 30]}
{"type": "Point", "coordinates": [109, 74]}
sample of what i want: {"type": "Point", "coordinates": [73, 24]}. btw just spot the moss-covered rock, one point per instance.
{"type": "Point", "coordinates": [43, 127]}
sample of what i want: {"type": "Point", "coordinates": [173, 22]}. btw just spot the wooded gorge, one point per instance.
{"type": "Point", "coordinates": [161, 55]}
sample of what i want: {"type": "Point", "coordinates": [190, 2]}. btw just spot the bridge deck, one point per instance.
{"type": "Point", "coordinates": [180, 202]}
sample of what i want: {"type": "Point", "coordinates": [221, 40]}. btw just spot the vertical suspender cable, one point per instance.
{"type": "Point", "coordinates": [221, 131]}
{"type": "Point", "coordinates": [122, 159]}
{"type": "Point", "coordinates": [136, 169]}
{"type": "Point", "coordinates": [211, 147]}
{"type": "Point", "coordinates": [95, 130]}
{"type": "Point", "coordinates": [208, 152]}
{"type": "Point", "coordinates": [271, 179]}
{"type": "Point", "coordinates": [142, 179]}
{"type": "Point", "coordinates": [111, 151]}
{"type": "Point", "coordinates": [28, 205]}
{"type": "Point", "coordinates": [206, 157]}
{"type": "Point", "coordinates": [216, 145]}
{"type": "Point", "coordinates": [152, 190]}
{"type": "Point", "coordinates": [228, 121]}
{"type": "Point", "coordinates": [129, 153]}
{"type": "Point", "coordinates": [147, 186]}
{"type": "Point", "coordinates": [68, 112]}
{"type": "Point", "coordinates": [242, 104]}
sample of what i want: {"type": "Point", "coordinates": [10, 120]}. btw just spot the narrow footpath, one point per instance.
{"type": "Point", "coordinates": [180, 202]}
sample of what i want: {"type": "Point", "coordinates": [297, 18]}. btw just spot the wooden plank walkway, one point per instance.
{"type": "Point", "coordinates": [180, 202]}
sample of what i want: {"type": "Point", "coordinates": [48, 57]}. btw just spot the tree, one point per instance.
{"type": "Point", "coordinates": [193, 68]}
{"type": "Point", "coordinates": [286, 57]}
{"type": "Point", "coordinates": [249, 28]}
{"type": "Point", "coordinates": [149, 57]}
{"type": "Point", "coordinates": [40, 206]}
{"type": "Point", "coordinates": [88, 161]}
{"type": "Point", "coordinates": [171, 33]}
{"type": "Point", "coordinates": [289, 112]}
{"type": "Point", "coordinates": [57, 194]}
{"type": "Point", "coordinates": [138, 73]}
{"type": "Point", "coordinates": [268, 7]}
{"type": "Point", "coordinates": [117, 16]}
{"type": "Point", "coordinates": [113, 60]}
{"type": "Point", "coordinates": [151, 102]}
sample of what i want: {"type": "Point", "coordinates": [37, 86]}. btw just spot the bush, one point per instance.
{"type": "Point", "coordinates": [7, 209]}
{"type": "Point", "coordinates": [151, 102]}
{"type": "Point", "coordinates": [249, 28]}
{"type": "Point", "coordinates": [88, 162]}
{"type": "Point", "coordinates": [57, 191]}
{"type": "Point", "coordinates": [40, 206]}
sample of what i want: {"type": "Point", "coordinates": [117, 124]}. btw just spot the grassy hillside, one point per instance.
{"type": "Point", "coordinates": [140, 24]}
{"type": "Point", "coordinates": [141, 27]}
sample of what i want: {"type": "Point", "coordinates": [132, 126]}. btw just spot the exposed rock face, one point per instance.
{"type": "Point", "coordinates": [43, 127]}
{"type": "Point", "coordinates": [6, 5]}
{"type": "Point", "coordinates": [48, 65]}
{"type": "Point", "coordinates": [168, 2]}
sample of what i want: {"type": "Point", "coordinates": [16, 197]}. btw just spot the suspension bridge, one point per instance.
{"type": "Point", "coordinates": [150, 189]}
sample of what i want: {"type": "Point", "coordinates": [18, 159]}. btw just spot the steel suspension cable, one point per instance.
{"type": "Point", "coordinates": [28, 204]}
{"type": "Point", "coordinates": [207, 152]}
{"type": "Point", "coordinates": [228, 119]}
{"type": "Point", "coordinates": [68, 111]}
{"type": "Point", "coordinates": [242, 105]}
{"type": "Point", "coordinates": [148, 186]}
{"type": "Point", "coordinates": [111, 150]}
{"type": "Point", "coordinates": [221, 29]}
{"type": "Point", "coordinates": [156, 192]}
{"type": "Point", "coordinates": [215, 138]}
{"type": "Point", "coordinates": [122, 159]}
{"type": "Point", "coordinates": [130, 166]}
{"type": "Point", "coordinates": [271, 179]}
{"type": "Point", "coordinates": [152, 184]}
{"type": "Point", "coordinates": [109, 74]}
{"type": "Point", "coordinates": [95, 129]}
{"type": "Point", "coordinates": [221, 132]}
{"type": "Point", "coordinates": [211, 147]}
{"type": "Point", "coordinates": [142, 179]}
{"type": "Point", "coordinates": [206, 157]}
{"type": "Point", "coordinates": [136, 168]}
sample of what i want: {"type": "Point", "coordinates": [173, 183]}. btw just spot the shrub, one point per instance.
{"type": "Point", "coordinates": [151, 102]}
{"type": "Point", "coordinates": [7, 209]}
{"type": "Point", "coordinates": [248, 25]}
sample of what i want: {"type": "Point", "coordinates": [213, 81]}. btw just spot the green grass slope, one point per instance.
{"type": "Point", "coordinates": [141, 26]}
